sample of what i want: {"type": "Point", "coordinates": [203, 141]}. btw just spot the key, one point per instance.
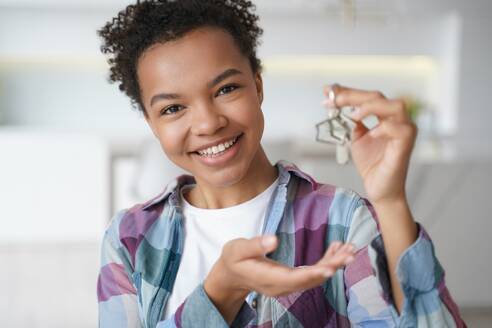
{"type": "Point", "coordinates": [342, 154]}
{"type": "Point", "coordinates": [331, 131]}
{"type": "Point", "coordinates": [337, 130]}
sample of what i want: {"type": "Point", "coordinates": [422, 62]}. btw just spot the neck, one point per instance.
{"type": "Point", "coordinates": [260, 175]}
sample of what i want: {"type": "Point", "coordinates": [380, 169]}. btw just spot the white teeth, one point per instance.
{"type": "Point", "coordinates": [217, 149]}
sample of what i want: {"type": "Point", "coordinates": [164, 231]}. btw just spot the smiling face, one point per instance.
{"type": "Point", "coordinates": [203, 103]}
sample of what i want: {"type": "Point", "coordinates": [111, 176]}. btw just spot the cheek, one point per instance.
{"type": "Point", "coordinates": [255, 120]}
{"type": "Point", "coordinates": [250, 114]}
{"type": "Point", "coordinates": [171, 138]}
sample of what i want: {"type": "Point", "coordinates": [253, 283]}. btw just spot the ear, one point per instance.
{"type": "Point", "coordinates": [259, 86]}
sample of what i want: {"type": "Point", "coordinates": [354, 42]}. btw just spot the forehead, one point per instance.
{"type": "Point", "coordinates": [200, 53]}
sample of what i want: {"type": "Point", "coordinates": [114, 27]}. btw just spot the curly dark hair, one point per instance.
{"type": "Point", "coordinates": [146, 23]}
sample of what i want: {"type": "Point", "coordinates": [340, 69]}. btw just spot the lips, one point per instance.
{"type": "Point", "coordinates": [221, 158]}
{"type": "Point", "coordinates": [210, 145]}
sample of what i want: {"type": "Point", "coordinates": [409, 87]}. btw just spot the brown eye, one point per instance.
{"type": "Point", "coordinates": [227, 89]}
{"type": "Point", "coordinates": [173, 109]}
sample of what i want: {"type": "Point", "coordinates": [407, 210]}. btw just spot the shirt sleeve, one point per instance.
{"type": "Point", "coordinates": [199, 311]}
{"type": "Point", "coordinates": [116, 294]}
{"type": "Point", "coordinates": [427, 300]}
{"type": "Point", "coordinates": [118, 301]}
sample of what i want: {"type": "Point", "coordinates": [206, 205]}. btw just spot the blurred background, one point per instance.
{"type": "Point", "coordinates": [73, 151]}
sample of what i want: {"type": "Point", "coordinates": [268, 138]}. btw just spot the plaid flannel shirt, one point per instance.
{"type": "Point", "coordinates": [142, 248]}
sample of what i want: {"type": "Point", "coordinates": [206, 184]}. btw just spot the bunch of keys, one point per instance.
{"type": "Point", "coordinates": [337, 129]}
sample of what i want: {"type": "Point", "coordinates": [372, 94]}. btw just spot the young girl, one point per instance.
{"type": "Point", "coordinates": [242, 242]}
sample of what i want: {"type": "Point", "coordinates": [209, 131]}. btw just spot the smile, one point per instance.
{"type": "Point", "coordinates": [221, 154]}
{"type": "Point", "coordinates": [218, 149]}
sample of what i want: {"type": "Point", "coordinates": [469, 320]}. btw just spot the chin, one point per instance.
{"type": "Point", "coordinates": [224, 177]}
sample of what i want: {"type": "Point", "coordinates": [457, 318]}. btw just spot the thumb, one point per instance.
{"type": "Point", "coordinates": [255, 247]}
{"type": "Point", "coordinates": [268, 242]}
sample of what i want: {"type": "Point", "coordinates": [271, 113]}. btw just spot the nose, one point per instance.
{"type": "Point", "coordinates": [207, 119]}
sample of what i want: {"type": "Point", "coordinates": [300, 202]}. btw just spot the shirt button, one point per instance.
{"type": "Point", "coordinates": [254, 303]}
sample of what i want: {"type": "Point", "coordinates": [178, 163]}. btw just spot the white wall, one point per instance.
{"type": "Point", "coordinates": [475, 88]}
{"type": "Point", "coordinates": [474, 69]}
{"type": "Point", "coordinates": [53, 187]}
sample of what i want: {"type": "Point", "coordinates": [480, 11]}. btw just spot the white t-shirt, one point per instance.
{"type": "Point", "coordinates": [206, 232]}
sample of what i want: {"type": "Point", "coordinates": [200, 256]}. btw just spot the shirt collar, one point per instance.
{"type": "Point", "coordinates": [284, 167]}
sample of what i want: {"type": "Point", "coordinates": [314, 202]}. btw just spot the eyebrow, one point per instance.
{"type": "Point", "coordinates": [219, 78]}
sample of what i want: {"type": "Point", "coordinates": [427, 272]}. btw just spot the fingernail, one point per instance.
{"type": "Point", "coordinates": [268, 241]}
{"type": "Point", "coordinates": [329, 103]}
{"type": "Point", "coordinates": [330, 100]}
{"type": "Point", "coordinates": [355, 113]}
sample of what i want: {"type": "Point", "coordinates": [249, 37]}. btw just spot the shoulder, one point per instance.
{"type": "Point", "coordinates": [129, 226]}
{"type": "Point", "coordinates": [135, 219]}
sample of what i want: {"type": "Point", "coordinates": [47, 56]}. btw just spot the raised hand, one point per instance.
{"type": "Point", "coordinates": [381, 155]}
{"type": "Point", "coordinates": [243, 267]}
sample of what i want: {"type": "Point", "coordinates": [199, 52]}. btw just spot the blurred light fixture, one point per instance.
{"type": "Point", "coordinates": [61, 63]}
{"type": "Point", "coordinates": [349, 12]}
{"type": "Point", "coordinates": [350, 64]}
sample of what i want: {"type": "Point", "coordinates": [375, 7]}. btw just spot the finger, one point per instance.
{"type": "Point", "coordinates": [334, 261]}
{"type": "Point", "coordinates": [311, 276]}
{"type": "Point", "coordinates": [338, 247]}
{"type": "Point", "coordinates": [394, 130]}
{"type": "Point", "coordinates": [350, 96]}
{"type": "Point", "coordinates": [359, 131]}
{"type": "Point", "coordinates": [240, 249]}
{"type": "Point", "coordinates": [342, 257]}
{"type": "Point", "coordinates": [301, 278]}
{"type": "Point", "coordinates": [270, 277]}
{"type": "Point", "coordinates": [268, 274]}
{"type": "Point", "coordinates": [334, 247]}
{"type": "Point", "coordinates": [383, 108]}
